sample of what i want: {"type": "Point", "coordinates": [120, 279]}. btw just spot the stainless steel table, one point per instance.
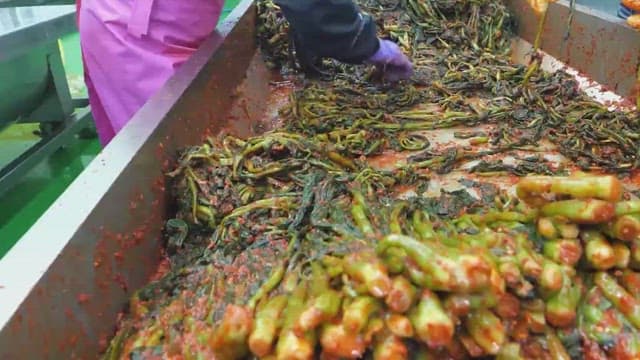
{"type": "Point", "coordinates": [101, 239]}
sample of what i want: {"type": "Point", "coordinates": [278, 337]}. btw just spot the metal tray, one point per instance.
{"type": "Point", "coordinates": [64, 284]}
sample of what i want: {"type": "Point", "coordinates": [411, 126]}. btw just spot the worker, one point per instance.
{"type": "Point", "coordinates": [624, 12]}
{"type": "Point", "coordinates": [630, 11]}
{"type": "Point", "coordinates": [132, 47]}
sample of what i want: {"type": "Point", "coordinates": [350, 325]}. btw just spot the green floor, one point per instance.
{"type": "Point", "coordinates": [22, 206]}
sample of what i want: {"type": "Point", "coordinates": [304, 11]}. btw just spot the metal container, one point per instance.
{"type": "Point", "coordinates": [31, 64]}
{"type": "Point", "coordinates": [597, 44]}
{"type": "Point", "coordinates": [33, 84]}
{"type": "Point", "coordinates": [63, 285]}
{"type": "Point", "coordinates": [25, 78]}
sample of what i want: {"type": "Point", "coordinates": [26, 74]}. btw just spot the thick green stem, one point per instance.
{"type": "Point", "coordinates": [619, 297]}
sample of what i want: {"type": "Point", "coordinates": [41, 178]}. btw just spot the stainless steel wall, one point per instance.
{"type": "Point", "coordinates": [599, 45]}
{"type": "Point", "coordinates": [63, 284]}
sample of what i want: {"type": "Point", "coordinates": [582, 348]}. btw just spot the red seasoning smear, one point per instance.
{"type": "Point", "coordinates": [138, 234]}
{"type": "Point", "coordinates": [119, 279]}
{"type": "Point", "coordinates": [103, 342]}
{"type": "Point", "coordinates": [159, 185]}
{"type": "Point", "coordinates": [68, 313]}
{"type": "Point", "coordinates": [163, 268]}
{"type": "Point", "coordinates": [513, 179]}
{"type": "Point", "coordinates": [83, 298]}
{"type": "Point", "coordinates": [634, 178]}
{"type": "Point", "coordinates": [119, 256]}
{"type": "Point", "coordinates": [160, 151]}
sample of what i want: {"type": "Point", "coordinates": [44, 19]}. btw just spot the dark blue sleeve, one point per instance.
{"type": "Point", "coordinates": [332, 28]}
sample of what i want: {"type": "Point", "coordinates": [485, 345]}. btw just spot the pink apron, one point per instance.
{"type": "Point", "coordinates": [132, 47]}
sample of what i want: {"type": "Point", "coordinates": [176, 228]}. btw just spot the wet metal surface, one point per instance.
{"type": "Point", "coordinates": [100, 241]}
{"type": "Point", "coordinates": [24, 28]}
{"type": "Point", "coordinates": [599, 44]}
{"type": "Point", "coordinates": [63, 284]}
{"type": "Point", "coordinates": [606, 6]}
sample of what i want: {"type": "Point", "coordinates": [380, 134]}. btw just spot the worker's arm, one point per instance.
{"type": "Point", "coordinates": [332, 29]}
{"type": "Point", "coordinates": [337, 29]}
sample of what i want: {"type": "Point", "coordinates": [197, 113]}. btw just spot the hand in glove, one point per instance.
{"type": "Point", "coordinates": [389, 59]}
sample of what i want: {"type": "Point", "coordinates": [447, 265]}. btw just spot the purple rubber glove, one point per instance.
{"type": "Point", "coordinates": [389, 59]}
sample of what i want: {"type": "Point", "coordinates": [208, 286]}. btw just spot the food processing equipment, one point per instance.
{"type": "Point", "coordinates": [14, 3]}
{"type": "Point", "coordinates": [64, 283]}
{"type": "Point", "coordinates": [33, 83]}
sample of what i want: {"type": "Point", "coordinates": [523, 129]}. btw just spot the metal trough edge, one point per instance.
{"type": "Point", "coordinates": [600, 45]}
{"type": "Point", "coordinates": [64, 283]}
